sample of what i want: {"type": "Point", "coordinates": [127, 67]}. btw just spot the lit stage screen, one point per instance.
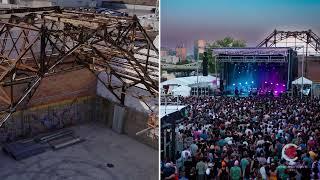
{"type": "Point", "coordinates": [257, 77]}
{"type": "Point", "coordinates": [256, 70]}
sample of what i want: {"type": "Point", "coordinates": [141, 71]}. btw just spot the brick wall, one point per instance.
{"type": "Point", "coordinates": [65, 86]}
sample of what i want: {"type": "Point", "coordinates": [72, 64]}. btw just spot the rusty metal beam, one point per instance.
{"type": "Point", "coordinates": [46, 41]}
{"type": "Point", "coordinates": [309, 37]}
{"type": "Point", "coordinates": [29, 10]}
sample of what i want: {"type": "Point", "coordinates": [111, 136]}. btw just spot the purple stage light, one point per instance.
{"type": "Point", "coordinates": [265, 82]}
{"type": "Point", "coordinates": [283, 85]}
{"type": "Point", "coordinates": [277, 84]}
{"type": "Point", "coordinates": [276, 91]}
{"type": "Point", "coordinates": [271, 83]}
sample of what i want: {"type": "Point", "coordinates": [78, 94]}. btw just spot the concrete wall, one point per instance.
{"type": "Point", "coordinates": [134, 121]}
{"type": "Point", "coordinates": [59, 101]}
{"type": "Point", "coordinates": [130, 101]}
{"type": "Point", "coordinates": [74, 3]}
{"type": "Point", "coordinates": [10, 6]}
{"type": "Point", "coordinates": [34, 3]}
{"type": "Point", "coordinates": [45, 118]}
{"type": "Point", "coordinates": [104, 111]}
{"type": "Point", "coordinates": [24, 3]}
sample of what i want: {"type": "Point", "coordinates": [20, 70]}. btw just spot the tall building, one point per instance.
{"type": "Point", "coordinates": [199, 47]}
{"type": "Point", "coordinates": [181, 52]}
{"type": "Point", "coordinates": [164, 52]}
{"type": "Point", "coordinates": [170, 59]}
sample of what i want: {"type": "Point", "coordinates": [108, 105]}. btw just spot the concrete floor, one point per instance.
{"type": "Point", "coordinates": [87, 160]}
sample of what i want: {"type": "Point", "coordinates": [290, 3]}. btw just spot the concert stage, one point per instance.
{"type": "Point", "coordinates": [262, 71]}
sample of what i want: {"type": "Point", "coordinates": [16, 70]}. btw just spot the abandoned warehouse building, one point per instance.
{"type": "Point", "coordinates": [94, 74]}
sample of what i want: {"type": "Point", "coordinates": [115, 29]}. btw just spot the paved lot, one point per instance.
{"type": "Point", "coordinates": [87, 160]}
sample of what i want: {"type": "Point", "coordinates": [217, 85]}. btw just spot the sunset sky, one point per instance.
{"type": "Point", "coordinates": [183, 21]}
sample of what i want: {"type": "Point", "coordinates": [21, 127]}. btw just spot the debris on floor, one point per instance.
{"type": "Point", "coordinates": [30, 147]}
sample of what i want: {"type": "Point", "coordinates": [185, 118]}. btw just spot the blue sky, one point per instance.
{"type": "Point", "coordinates": [183, 21]}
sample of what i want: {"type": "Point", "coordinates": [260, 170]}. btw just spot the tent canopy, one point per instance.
{"type": "Point", "coordinates": [192, 80]}
{"type": "Point", "coordinates": [181, 91]}
{"type": "Point", "coordinates": [300, 80]}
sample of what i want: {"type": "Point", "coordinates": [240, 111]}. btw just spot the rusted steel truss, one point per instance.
{"type": "Point", "coordinates": [309, 37]}
{"type": "Point", "coordinates": [43, 41]}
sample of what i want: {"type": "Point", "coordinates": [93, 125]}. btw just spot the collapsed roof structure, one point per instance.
{"type": "Point", "coordinates": [38, 42]}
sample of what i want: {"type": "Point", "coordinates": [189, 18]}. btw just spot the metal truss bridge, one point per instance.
{"type": "Point", "coordinates": [183, 67]}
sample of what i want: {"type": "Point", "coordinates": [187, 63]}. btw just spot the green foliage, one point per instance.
{"type": "Point", "coordinates": [182, 62]}
{"type": "Point", "coordinates": [189, 58]}
{"type": "Point", "coordinates": [201, 56]}
{"type": "Point", "coordinates": [228, 42]}
{"type": "Point", "coordinates": [211, 63]}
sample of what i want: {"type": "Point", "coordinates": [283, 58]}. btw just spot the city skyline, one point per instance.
{"type": "Point", "coordinates": [184, 21]}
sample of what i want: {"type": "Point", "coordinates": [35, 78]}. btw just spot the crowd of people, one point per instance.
{"type": "Point", "coordinates": [244, 137]}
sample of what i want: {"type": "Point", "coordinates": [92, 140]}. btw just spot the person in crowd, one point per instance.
{"type": "Point", "coordinates": [244, 138]}
{"type": "Point", "coordinates": [316, 169]}
{"type": "Point", "coordinates": [169, 171]}
{"type": "Point", "coordinates": [235, 171]}
{"type": "Point", "coordinates": [282, 171]}
{"type": "Point", "coordinates": [201, 169]}
{"type": "Point", "coordinates": [223, 171]}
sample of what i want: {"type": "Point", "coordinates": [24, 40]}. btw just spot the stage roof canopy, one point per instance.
{"type": "Point", "coordinates": [251, 51]}
{"type": "Point", "coordinates": [192, 80]}
{"type": "Point", "coordinates": [299, 81]}
{"type": "Point", "coordinates": [182, 91]}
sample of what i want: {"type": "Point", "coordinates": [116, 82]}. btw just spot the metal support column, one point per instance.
{"type": "Point", "coordinates": [43, 51]}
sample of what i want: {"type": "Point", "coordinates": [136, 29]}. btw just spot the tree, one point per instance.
{"type": "Point", "coordinates": [226, 42]}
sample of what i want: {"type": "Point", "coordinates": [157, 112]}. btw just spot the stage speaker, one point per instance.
{"type": "Point", "coordinates": [205, 64]}
{"type": "Point", "coordinates": [166, 88]}
{"type": "Point", "coordinates": [221, 85]}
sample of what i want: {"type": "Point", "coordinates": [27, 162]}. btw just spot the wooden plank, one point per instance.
{"type": "Point", "coordinates": [3, 67]}
{"type": "Point", "coordinates": [4, 96]}
{"type": "Point", "coordinates": [75, 22]}
{"type": "Point", "coordinates": [5, 100]}
{"type": "Point", "coordinates": [4, 74]}
{"type": "Point", "coordinates": [23, 66]}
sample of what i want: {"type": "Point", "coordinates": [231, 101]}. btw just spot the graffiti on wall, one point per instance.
{"type": "Point", "coordinates": [28, 123]}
